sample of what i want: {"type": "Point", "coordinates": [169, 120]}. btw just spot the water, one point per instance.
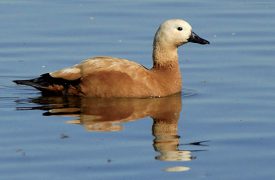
{"type": "Point", "coordinates": [221, 127]}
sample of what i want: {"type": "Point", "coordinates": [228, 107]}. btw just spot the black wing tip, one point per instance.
{"type": "Point", "coordinates": [16, 81]}
{"type": "Point", "coordinates": [45, 81]}
{"type": "Point", "coordinates": [29, 82]}
{"type": "Point", "coordinates": [22, 82]}
{"type": "Point", "coordinates": [32, 81]}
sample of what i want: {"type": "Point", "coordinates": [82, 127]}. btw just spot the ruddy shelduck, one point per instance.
{"type": "Point", "coordinates": [115, 77]}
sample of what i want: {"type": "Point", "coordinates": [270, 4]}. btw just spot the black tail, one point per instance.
{"type": "Point", "coordinates": [50, 85]}
{"type": "Point", "coordinates": [38, 83]}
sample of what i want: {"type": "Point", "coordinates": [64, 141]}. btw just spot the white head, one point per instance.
{"type": "Point", "coordinates": [176, 32]}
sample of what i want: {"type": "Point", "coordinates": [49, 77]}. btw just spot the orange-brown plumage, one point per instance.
{"type": "Point", "coordinates": [113, 77]}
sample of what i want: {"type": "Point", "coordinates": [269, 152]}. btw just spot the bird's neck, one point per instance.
{"type": "Point", "coordinates": [165, 57]}
{"type": "Point", "coordinates": [166, 67]}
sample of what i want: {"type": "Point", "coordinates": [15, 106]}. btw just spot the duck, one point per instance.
{"type": "Point", "coordinates": [111, 77]}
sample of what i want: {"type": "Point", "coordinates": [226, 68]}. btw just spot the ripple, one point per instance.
{"type": "Point", "coordinates": [189, 92]}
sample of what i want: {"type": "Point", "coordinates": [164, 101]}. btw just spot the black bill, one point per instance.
{"type": "Point", "coordinates": [197, 39]}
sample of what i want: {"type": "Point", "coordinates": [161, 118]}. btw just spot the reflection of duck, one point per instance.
{"type": "Point", "coordinates": [165, 130]}
{"type": "Point", "coordinates": [167, 140]}
{"type": "Point", "coordinates": [108, 114]}
{"type": "Point", "coordinates": [101, 114]}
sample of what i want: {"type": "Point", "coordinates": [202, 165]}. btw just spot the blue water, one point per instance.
{"type": "Point", "coordinates": [220, 127]}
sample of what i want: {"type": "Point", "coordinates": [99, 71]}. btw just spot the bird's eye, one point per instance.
{"type": "Point", "coordinates": [179, 28]}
